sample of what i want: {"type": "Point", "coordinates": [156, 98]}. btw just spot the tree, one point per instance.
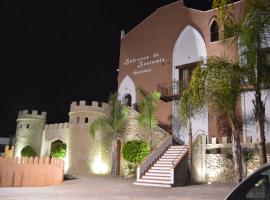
{"type": "Point", "coordinates": [190, 104]}
{"type": "Point", "coordinates": [251, 31]}
{"type": "Point", "coordinates": [28, 151]}
{"type": "Point", "coordinates": [217, 84]}
{"type": "Point", "coordinates": [115, 119]}
{"type": "Point", "coordinates": [58, 150]}
{"type": "Point", "coordinates": [147, 108]}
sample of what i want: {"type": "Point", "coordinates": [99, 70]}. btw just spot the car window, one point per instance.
{"type": "Point", "coordinates": [261, 189]}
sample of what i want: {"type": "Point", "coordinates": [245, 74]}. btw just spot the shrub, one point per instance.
{"type": "Point", "coordinates": [58, 150]}
{"type": "Point", "coordinates": [28, 151]}
{"type": "Point", "coordinates": [135, 151]}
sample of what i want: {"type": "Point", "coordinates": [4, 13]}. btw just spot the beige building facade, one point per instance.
{"type": "Point", "coordinates": [85, 154]}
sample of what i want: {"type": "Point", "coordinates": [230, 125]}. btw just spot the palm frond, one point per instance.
{"type": "Point", "coordinates": [99, 124]}
{"type": "Point", "coordinates": [148, 109]}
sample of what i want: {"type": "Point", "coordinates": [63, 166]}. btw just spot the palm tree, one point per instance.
{"type": "Point", "coordinates": [218, 85]}
{"type": "Point", "coordinates": [115, 119]}
{"type": "Point", "coordinates": [252, 32]}
{"type": "Point", "coordinates": [190, 104]}
{"type": "Point", "coordinates": [147, 108]}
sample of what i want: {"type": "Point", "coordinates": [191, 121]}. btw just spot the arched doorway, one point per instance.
{"type": "Point", "coordinates": [127, 87]}
{"type": "Point", "coordinates": [58, 149]}
{"type": "Point", "coordinates": [128, 100]}
{"type": "Point", "coordinates": [28, 151]}
{"type": "Point", "coordinates": [189, 49]}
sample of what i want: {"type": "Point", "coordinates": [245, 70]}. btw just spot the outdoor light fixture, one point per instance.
{"type": "Point", "coordinates": [99, 167]}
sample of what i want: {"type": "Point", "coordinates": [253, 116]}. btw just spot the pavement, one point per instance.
{"type": "Point", "coordinates": [111, 188]}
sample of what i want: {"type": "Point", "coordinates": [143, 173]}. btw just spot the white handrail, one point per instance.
{"type": "Point", "coordinates": [146, 164]}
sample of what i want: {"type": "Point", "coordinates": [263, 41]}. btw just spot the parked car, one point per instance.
{"type": "Point", "coordinates": [255, 187]}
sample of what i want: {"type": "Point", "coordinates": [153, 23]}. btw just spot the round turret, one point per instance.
{"type": "Point", "coordinates": [29, 130]}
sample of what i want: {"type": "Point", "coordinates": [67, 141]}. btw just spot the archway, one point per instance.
{"type": "Point", "coordinates": [28, 151]}
{"type": "Point", "coordinates": [189, 49]}
{"type": "Point", "coordinates": [127, 87]}
{"type": "Point", "coordinates": [58, 149]}
{"type": "Point", "coordinates": [128, 100]}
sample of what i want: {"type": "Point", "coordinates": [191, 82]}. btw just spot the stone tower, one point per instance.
{"type": "Point", "coordinates": [29, 131]}
{"type": "Point", "coordinates": [87, 154]}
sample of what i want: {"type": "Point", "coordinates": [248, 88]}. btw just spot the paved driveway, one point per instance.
{"type": "Point", "coordinates": [101, 187]}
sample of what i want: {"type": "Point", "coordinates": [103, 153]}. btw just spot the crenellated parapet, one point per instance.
{"type": "Point", "coordinates": [25, 114]}
{"type": "Point", "coordinates": [58, 126]}
{"type": "Point", "coordinates": [54, 132]}
{"type": "Point", "coordinates": [82, 106]}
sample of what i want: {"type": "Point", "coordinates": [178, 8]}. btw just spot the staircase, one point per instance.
{"type": "Point", "coordinates": [161, 173]}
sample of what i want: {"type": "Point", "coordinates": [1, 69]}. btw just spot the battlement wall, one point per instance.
{"type": "Point", "coordinates": [32, 115]}
{"type": "Point", "coordinates": [82, 106]}
{"type": "Point", "coordinates": [29, 172]}
{"type": "Point", "coordinates": [54, 132]}
{"type": "Point", "coordinates": [58, 126]}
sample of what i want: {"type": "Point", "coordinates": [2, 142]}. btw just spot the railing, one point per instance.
{"type": "Point", "coordinates": [194, 139]}
{"type": "Point", "coordinates": [153, 157]}
{"type": "Point", "coordinates": [169, 90]}
{"type": "Point", "coordinates": [179, 158]}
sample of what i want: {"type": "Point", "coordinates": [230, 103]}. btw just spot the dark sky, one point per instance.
{"type": "Point", "coordinates": [55, 52]}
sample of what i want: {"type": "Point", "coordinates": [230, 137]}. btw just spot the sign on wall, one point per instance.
{"type": "Point", "coordinates": [144, 64]}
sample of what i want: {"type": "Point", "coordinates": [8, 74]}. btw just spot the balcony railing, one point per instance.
{"type": "Point", "coordinates": [169, 91]}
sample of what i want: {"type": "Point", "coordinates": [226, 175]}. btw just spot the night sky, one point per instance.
{"type": "Point", "coordinates": [56, 52]}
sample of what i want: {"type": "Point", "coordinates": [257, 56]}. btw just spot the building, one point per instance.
{"type": "Point", "coordinates": [85, 154]}
{"type": "Point", "coordinates": [163, 50]}
{"type": "Point", "coordinates": [156, 55]}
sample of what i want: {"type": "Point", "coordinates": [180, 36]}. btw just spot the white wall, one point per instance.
{"type": "Point", "coordinates": [249, 128]}
{"type": "Point", "coordinates": [126, 87]}
{"type": "Point", "coordinates": [189, 48]}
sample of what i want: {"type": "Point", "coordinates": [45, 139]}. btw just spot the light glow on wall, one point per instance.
{"type": "Point", "coordinates": [99, 167]}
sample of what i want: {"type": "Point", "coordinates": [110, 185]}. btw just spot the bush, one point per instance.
{"type": "Point", "coordinates": [58, 150]}
{"type": "Point", "coordinates": [28, 151]}
{"type": "Point", "coordinates": [135, 151]}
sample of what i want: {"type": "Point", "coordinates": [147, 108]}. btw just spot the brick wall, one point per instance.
{"type": "Point", "coordinates": [30, 172]}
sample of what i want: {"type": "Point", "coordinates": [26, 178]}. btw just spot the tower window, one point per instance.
{"type": "Point", "coordinates": [28, 126]}
{"type": "Point", "coordinates": [86, 120]}
{"type": "Point", "coordinates": [214, 31]}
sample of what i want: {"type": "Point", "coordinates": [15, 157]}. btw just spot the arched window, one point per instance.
{"type": "Point", "coordinates": [214, 31]}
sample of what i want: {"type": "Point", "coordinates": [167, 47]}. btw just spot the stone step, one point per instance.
{"type": "Point", "coordinates": [163, 165]}
{"type": "Point", "coordinates": [152, 184]}
{"type": "Point", "coordinates": [165, 174]}
{"type": "Point", "coordinates": [172, 154]}
{"type": "Point", "coordinates": [161, 171]}
{"type": "Point", "coordinates": [161, 168]}
{"type": "Point", "coordinates": [174, 151]}
{"type": "Point", "coordinates": [164, 161]}
{"type": "Point", "coordinates": [177, 147]}
{"type": "Point", "coordinates": [168, 178]}
{"type": "Point", "coordinates": [168, 156]}
{"type": "Point", "coordinates": [154, 181]}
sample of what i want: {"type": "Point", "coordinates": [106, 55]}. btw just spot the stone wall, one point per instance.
{"type": "Point", "coordinates": [29, 172]}
{"type": "Point", "coordinates": [134, 131]}
{"type": "Point", "coordinates": [54, 132]}
{"type": "Point", "coordinates": [221, 169]}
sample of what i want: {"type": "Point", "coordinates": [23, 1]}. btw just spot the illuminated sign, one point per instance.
{"type": "Point", "coordinates": [143, 63]}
